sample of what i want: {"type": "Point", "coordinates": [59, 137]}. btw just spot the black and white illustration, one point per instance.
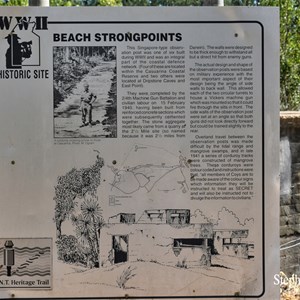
{"type": "Point", "coordinates": [179, 241]}
{"type": "Point", "coordinates": [76, 201]}
{"type": "Point", "coordinates": [85, 92]}
{"type": "Point", "coordinates": [157, 169]}
{"type": "Point", "coordinates": [176, 241]}
{"type": "Point", "coordinates": [26, 263]}
{"type": "Point", "coordinates": [169, 242]}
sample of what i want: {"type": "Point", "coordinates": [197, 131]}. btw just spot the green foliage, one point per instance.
{"type": "Point", "coordinates": [289, 52]}
{"type": "Point", "coordinates": [177, 2]}
{"type": "Point", "coordinates": [14, 3]}
{"type": "Point", "coordinates": [240, 2]}
{"type": "Point", "coordinates": [65, 2]}
{"type": "Point", "coordinates": [109, 2]}
{"type": "Point", "coordinates": [135, 2]}
{"type": "Point", "coordinates": [162, 2]}
{"type": "Point", "coordinates": [100, 2]}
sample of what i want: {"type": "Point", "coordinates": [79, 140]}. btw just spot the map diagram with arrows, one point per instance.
{"type": "Point", "coordinates": [159, 170]}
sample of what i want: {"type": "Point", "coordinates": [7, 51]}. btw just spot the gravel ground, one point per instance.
{"type": "Point", "coordinates": [289, 290]}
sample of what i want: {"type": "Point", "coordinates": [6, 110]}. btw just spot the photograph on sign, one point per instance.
{"type": "Point", "coordinates": [70, 74]}
{"type": "Point", "coordinates": [138, 153]}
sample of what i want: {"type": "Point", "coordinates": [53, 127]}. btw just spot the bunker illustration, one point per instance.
{"type": "Point", "coordinates": [160, 235]}
{"type": "Point", "coordinates": [167, 236]}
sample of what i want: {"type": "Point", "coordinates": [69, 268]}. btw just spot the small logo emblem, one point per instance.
{"type": "Point", "coordinates": [17, 51]}
{"type": "Point", "coordinates": [23, 45]}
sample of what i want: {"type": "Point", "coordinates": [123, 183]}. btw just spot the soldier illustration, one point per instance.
{"type": "Point", "coordinates": [16, 51]}
{"type": "Point", "coordinates": [86, 105]}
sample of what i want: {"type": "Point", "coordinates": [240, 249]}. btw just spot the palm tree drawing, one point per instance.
{"type": "Point", "coordinates": [92, 212]}
{"type": "Point", "coordinates": [88, 225]}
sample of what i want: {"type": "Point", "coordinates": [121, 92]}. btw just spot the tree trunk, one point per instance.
{"type": "Point", "coordinates": [58, 229]}
{"type": "Point", "coordinates": [96, 236]}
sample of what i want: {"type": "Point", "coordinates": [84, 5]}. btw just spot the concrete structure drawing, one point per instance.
{"type": "Point", "coordinates": [164, 236]}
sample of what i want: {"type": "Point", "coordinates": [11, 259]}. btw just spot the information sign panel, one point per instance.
{"type": "Point", "coordinates": [139, 152]}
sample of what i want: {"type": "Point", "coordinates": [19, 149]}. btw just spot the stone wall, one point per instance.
{"type": "Point", "coordinates": [290, 192]}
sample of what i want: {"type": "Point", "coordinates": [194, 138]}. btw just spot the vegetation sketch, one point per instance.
{"type": "Point", "coordinates": [74, 187]}
{"type": "Point", "coordinates": [125, 276]}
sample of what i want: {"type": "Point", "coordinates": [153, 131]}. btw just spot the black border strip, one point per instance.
{"type": "Point", "coordinates": [263, 155]}
{"type": "Point", "coordinates": [151, 22]}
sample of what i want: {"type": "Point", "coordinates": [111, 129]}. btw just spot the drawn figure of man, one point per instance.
{"type": "Point", "coordinates": [16, 51]}
{"type": "Point", "coordinates": [86, 105]}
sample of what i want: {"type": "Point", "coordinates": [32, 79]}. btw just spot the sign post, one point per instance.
{"type": "Point", "coordinates": [9, 256]}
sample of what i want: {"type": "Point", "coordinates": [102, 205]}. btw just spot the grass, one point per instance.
{"type": "Point", "coordinates": [289, 289]}
{"type": "Point", "coordinates": [125, 276]}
